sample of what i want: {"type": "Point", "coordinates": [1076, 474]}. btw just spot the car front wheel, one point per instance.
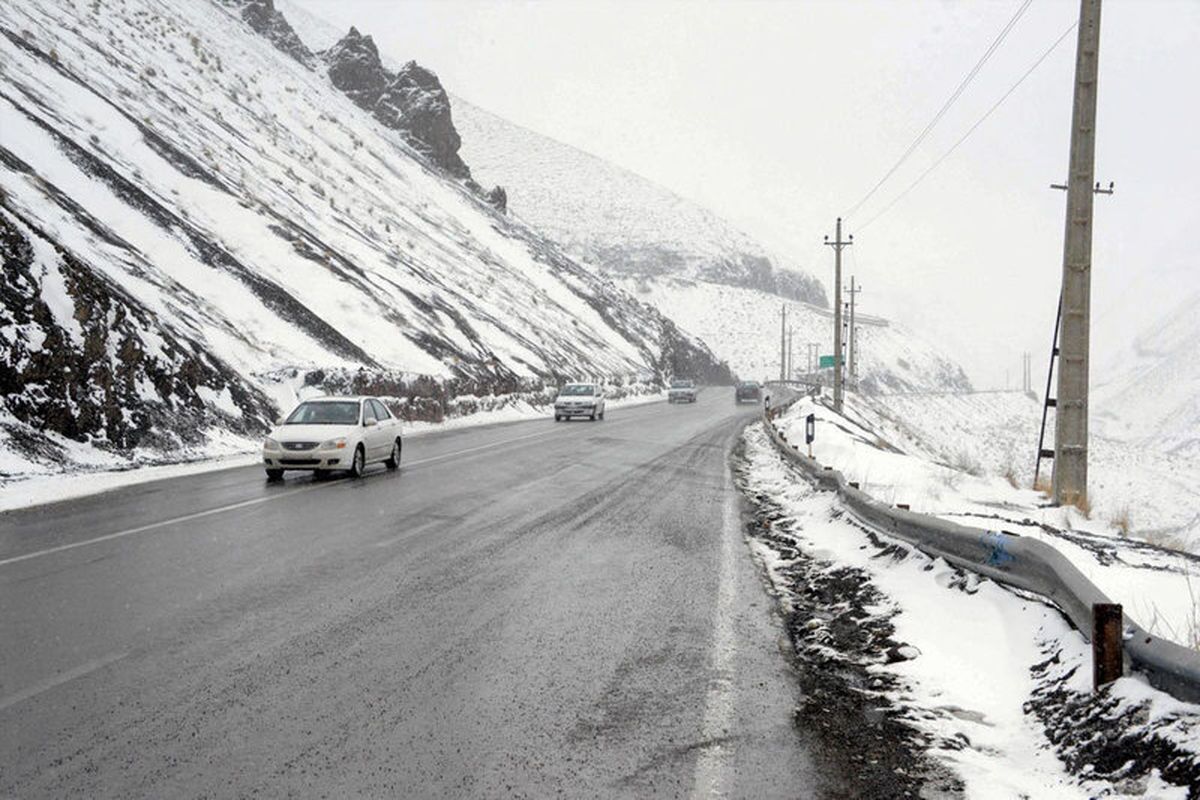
{"type": "Point", "coordinates": [359, 463]}
{"type": "Point", "coordinates": [274, 474]}
{"type": "Point", "coordinates": [393, 461]}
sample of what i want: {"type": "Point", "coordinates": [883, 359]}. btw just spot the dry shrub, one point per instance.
{"type": "Point", "coordinates": [1010, 474]}
{"type": "Point", "coordinates": [1164, 539]}
{"type": "Point", "coordinates": [1083, 504]}
{"type": "Point", "coordinates": [1122, 521]}
{"type": "Point", "coordinates": [965, 462]}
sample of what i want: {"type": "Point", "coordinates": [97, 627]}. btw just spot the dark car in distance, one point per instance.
{"type": "Point", "coordinates": [747, 392]}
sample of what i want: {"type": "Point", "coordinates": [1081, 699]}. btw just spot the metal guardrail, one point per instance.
{"type": "Point", "coordinates": [1008, 558]}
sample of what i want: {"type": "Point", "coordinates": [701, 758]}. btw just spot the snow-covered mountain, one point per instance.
{"type": "Point", "coordinates": [615, 219]}
{"type": "Point", "coordinates": [194, 212]}
{"type": "Point", "coordinates": [1152, 391]}
{"type": "Point", "coordinates": [716, 282]}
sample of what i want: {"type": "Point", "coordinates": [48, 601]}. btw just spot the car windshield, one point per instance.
{"type": "Point", "coordinates": [681, 384]}
{"type": "Point", "coordinates": [325, 413]}
{"type": "Point", "coordinates": [577, 389]}
{"type": "Point", "coordinates": [749, 385]}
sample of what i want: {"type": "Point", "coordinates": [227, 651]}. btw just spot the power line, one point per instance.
{"type": "Point", "coordinates": [945, 106]}
{"type": "Point", "coordinates": [972, 129]}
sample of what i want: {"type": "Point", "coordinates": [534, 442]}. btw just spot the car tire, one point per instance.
{"type": "Point", "coordinates": [558, 418]}
{"type": "Point", "coordinates": [274, 475]}
{"type": "Point", "coordinates": [601, 415]}
{"type": "Point", "coordinates": [393, 460]}
{"type": "Point", "coordinates": [592, 417]}
{"type": "Point", "coordinates": [358, 464]}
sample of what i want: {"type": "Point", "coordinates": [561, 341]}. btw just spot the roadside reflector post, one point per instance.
{"type": "Point", "coordinates": [810, 431]}
{"type": "Point", "coordinates": [1107, 656]}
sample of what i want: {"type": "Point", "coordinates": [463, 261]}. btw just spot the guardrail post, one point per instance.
{"type": "Point", "coordinates": [1107, 656]}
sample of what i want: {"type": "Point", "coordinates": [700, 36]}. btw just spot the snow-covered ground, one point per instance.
{"type": "Point", "coordinates": [979, 672]}
{"type": "Point", "coordinates": [1139, 489]}
{"type": "Point", "coordinates": [939, 468]}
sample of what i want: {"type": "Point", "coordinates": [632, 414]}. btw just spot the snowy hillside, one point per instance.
{"type": "Point", "coordinates": [192, 215]}
{"type": "Point", "coordinates": [1151, 393]}
{"type": "Point", "coordinates": [715, 282]}
{"type": "Point", "coordinates": [608, 216]}
{"type": "Point", "coordinates": [742, 326]}
{"type": "Point", "coordinates": [1136, 490]}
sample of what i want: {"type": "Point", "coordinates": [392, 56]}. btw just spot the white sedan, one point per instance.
{"type": "Point", "coordinates": [333, 434]}
{"type": "Point", "coordinates": [579, 400]}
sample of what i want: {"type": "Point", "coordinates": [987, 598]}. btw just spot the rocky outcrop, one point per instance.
{"type": "Point", "coordinates": [410, 100]}
{"type": "Point", "coordinates": [264, 18]}
{"type": "Point", "coordinates": [498, 197]}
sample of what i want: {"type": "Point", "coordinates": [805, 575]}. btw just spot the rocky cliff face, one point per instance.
{"type": "Point", "coordinates": [85, 360]}
{"type": "Point", "coordinates": [410, 100]}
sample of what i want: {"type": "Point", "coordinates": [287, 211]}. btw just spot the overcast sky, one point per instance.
{"type": "Point", "coordinates": [782, 115]}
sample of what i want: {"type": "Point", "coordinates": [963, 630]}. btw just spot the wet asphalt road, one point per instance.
{"type": "Point", "coordinates": [524, 610]}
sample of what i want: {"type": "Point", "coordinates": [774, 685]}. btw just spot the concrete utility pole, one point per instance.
{"type": "Point", "coordinates": [1071, 417]}
{"type": "Point", "coordinates": [783, 342]}
{"type": "Point", "coordinates": [838, 245]}
{"type": "Point", "coordinates": [853, 336]}
{"type": "Point", "coordinates": [790, 369]}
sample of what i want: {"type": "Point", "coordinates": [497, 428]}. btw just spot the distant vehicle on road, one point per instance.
{"type": "Point", "coordinates": [748, 392]}
{"type": "Point", "coordinates": [328, 434]}
{"type": "Point", "coordinates": [579, 400]}
{"type": "Point", "coordinates": [681, 391]}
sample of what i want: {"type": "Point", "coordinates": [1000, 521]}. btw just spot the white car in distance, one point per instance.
{"type": "Point", "coordinates": [681, 390]}
{"type": "Point", "coordinates": [327, 434]}
{"type": "Point", "coordinates": [579, 400]}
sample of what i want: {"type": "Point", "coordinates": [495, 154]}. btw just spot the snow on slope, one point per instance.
{"type": "Point", "coordinates": [610, 217]}
{"type": "Point", "coordinates": [742, 327]}
{"type": "Point", "coordinates": [1152, 391]}
{"type": "Point", "coordinates": [236, 205]}
{"type": "Point", "coordinates": [714, 281]}
{"type": "Point", "coordinates": [1136, 489]}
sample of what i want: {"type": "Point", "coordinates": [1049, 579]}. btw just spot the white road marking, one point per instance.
{"type": "Point", "coordinates": [60, 679]}
{"type": "Point", "coordinates": [244, 504]}
{"type": "Point", "coordinates": [714, 763]}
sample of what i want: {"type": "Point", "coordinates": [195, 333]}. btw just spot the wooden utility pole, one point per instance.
{"type": "Point", "coordinates": [853, 335]}
{"type": "Point", "coordinates": [1071, 417]}
{"type": "Point", "coordinates": [838, 245]}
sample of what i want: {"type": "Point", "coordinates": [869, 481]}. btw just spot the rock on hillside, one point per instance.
{"type": "Point", "coordinates": [265, 19]}
{"type": "Point", "coordinates": [410, 100]}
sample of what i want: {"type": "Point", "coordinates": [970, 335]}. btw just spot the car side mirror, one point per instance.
{"type": "Point", "coordinates": [368, 423]}
{"type": "Point", "coordinates": [281, 421]}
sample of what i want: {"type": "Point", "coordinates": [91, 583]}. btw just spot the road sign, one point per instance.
{"type": "Point", "coordinates": [826, 361]}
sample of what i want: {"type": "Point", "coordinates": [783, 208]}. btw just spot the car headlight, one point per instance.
{"type": "Point", "coordinates": [270, 444]}
{"type": "Point", "coordinates": [334, 444]}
